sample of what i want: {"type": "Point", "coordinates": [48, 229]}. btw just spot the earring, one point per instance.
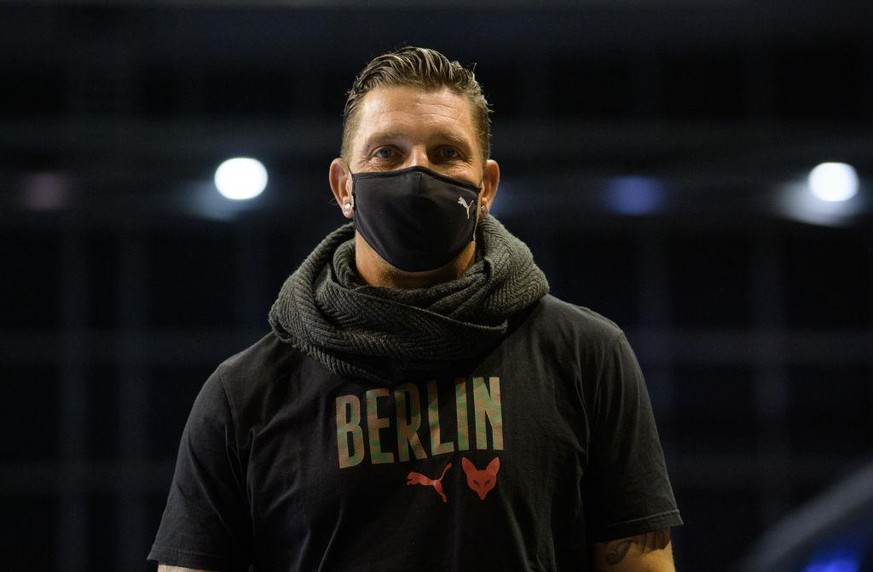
{"type": "Point", "coordinates": [484, 210]}
{"type": "Point", "coordinates": [347, 208]}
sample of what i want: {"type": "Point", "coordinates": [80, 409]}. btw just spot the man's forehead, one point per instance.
{"type": "Point", "coordinates": [416, 99]}
{"type": "Point", "coordinates": [394, 112]}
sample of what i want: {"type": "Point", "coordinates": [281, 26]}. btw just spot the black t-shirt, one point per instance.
{"type": "Point", "coordinates": [518, 460]}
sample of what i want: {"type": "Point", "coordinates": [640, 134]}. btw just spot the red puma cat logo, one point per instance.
{"type": "Point", "coordinates": [419, 479]}
{"type": "Point", "coordinates": [481, 481]}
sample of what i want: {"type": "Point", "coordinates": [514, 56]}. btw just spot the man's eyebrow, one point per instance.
{"type": "Point", "coordinates": [454, 139]}
{"type": "Point", "coordinates": [384, 136]}
{"type": "Point", "coordinates": [441, 136]}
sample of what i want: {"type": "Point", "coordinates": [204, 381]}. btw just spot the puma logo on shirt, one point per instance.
{"type": "Point", "coordinates": [414, 478]}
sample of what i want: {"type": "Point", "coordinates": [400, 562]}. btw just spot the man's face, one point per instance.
{"type": "Point", "coordinates": [401, 127]}
{"type": "Point", "coordinates": [404, 126]}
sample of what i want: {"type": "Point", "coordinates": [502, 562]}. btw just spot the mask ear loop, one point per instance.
{"type": "Point", "coordinates": [483, 207]}
{"type": "Point", "coordinates": [483, 212]}
{"type": "Point", "coordinates": [349, 202]}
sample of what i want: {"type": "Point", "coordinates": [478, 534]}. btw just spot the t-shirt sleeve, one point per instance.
{"type": "Point", "coordinates": [205, 523]}
{"type": "Point", "coordinates": [627, 490]}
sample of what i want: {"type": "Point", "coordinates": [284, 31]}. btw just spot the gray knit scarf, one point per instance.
{"type": "Point", "coordinates": [384, 334]}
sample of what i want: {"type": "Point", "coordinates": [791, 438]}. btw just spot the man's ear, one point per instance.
{"type": "Point", "coordinates": [490, 181]}
{"type": "Point", "coordinates": [341, 185]}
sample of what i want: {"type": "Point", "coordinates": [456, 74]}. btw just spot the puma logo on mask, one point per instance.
{"type": "Point", "coordinates": [466, 205]}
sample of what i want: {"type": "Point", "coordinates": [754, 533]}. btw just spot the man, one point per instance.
{"type": "Point", "coordinates": [421, 403]}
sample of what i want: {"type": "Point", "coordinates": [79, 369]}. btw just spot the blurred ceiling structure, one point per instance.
{"type": "Point", "coordinates": [116, 110]}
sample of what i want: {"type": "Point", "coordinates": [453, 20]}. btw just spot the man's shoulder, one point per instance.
{"type": "Point", "coordinates": [263, 378]}
{"type": "Point", "coordinates": [555, 315]}
{"type": "Point", "coordinates": [267, 351]}
{"type": "Point", "coordinates": [263, 362]}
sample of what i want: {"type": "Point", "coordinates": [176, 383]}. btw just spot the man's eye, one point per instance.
{"type": "Point", "coordinates": [450, 153]}
{"type": "Point", "coordinates": [383, 153]}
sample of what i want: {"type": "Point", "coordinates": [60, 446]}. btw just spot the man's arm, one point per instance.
{"type": "Point", "coordinates": [650, 552]}
{"type": "Point", "coordinates": [166, 568]}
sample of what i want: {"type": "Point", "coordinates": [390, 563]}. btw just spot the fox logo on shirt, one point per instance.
{"type": "Point", "coordinates": [481, 481]}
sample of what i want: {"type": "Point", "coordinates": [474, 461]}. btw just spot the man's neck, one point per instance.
{"type": "Point", "coordinates": [376, 272]}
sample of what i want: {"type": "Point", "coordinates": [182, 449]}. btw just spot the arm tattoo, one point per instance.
{"type": "Point", "coordinates": [619, 551]}
{"type": "Point", "coordinates": [649, 542]}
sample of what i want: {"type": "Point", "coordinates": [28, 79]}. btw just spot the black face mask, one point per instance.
{"type": "Point", "coordinates": [414, 218]}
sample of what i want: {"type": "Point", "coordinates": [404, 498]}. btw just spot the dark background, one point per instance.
{"type": "Point", "coordinates": [650, 152]}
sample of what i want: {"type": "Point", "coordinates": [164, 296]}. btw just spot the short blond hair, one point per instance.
{"type": "Point", "coordinates": [426, 69]}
